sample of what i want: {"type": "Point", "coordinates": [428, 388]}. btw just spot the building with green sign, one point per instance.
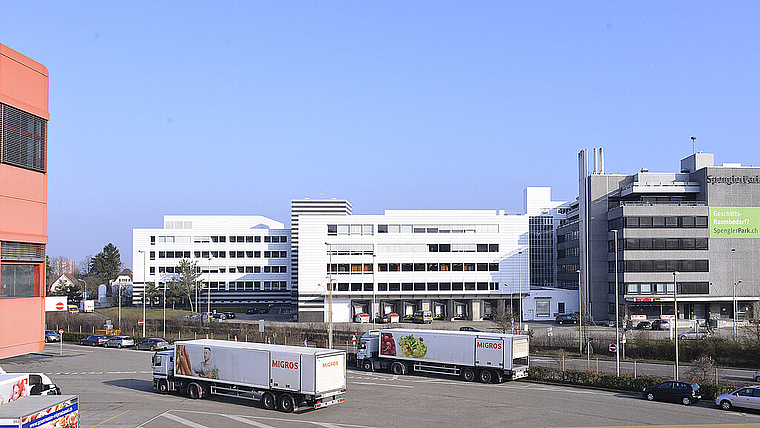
{"type": "Point", "coordinates": [702, 222]}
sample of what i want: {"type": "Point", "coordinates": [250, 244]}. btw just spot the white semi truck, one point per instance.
{"type": "Point", "coordinates": [279, 376]}
{"type": "Point", "coordinates": [487, 357]}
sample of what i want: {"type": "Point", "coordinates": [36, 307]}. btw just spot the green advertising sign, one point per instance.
{"type": "Point", "coordinates": [735, 222]}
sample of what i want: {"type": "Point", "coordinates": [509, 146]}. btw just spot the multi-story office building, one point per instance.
{"type": "Point", "coordinates": [457, 264]}
{"type": "Point", "coordinates": [63, 266]}
{"type": "Point", "coordinates": [23, 202]}
{"type": "Point", "coordinates": [307, 207]}
{"type": "Point", "coordinates": [243, 260]}
{"type": "Point", "coordinates": [701, 222]}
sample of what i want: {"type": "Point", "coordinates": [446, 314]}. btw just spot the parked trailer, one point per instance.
{"type": "Point", "coordinates": [489, 357]}
{"type": "Point", "coordinates": [14, 386]}
{"type": "Point", "coordinates": [279, 376]}
{"type": "Point", "coordinates": [59, 411]}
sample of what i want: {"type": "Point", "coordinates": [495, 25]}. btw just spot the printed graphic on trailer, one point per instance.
{"type": "Point", "coordinates": [63, 415]}
{"type": "Point", "coordinates": [227, 364]}
{"type": "Point", "coordinates": [14, 389]}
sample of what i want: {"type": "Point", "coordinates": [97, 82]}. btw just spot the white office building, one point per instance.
{"type": "Point", "coordinates": [457, 264]}
{"type": "Point", "coordinates": [243, 260]}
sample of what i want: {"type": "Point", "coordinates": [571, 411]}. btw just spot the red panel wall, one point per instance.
{"type": "Point", "coordinates": [23, 205]}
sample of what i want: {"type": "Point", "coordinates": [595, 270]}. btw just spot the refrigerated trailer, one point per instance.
{"type": "Point", "coordinates": [488, 357]}
{"type": "Point", "coordinates": [41, 412]}
{"type": "Point", "coordinates": [279, 376]}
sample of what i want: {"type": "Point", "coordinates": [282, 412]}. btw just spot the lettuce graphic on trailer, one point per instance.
{"type": "Point", "coordinates": [412, 347]}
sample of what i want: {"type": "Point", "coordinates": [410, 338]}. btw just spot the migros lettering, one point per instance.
{"type": "Point", "coordinates": [330, 364]}
{"type": "Point", "coordinates": [281, 364]}
{"type": "Point", "coordinates": [490, 345]}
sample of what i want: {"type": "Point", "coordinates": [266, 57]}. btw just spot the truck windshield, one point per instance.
{"type": "Point", "coordinates": [156, 360]}
{"type": "Point", "coordinates": [362, 345]}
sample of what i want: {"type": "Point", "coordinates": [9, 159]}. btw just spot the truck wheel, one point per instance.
{"type": "Point", "coordinates": [194, 391]}
{"type": "Point", "coordinates": [468, 374]}
{"type": "Point", "coordinates": [268, 401]}
{"type": "Point", "coordinates": [398, 368]}
{"type": "Point", "coordinates": [367, 365]}
{"type": "Point", "coordinates": [287, 404]}
{"type": "Point", "coordinates": [486, 376]}
{"type": "Point", "coordinates": [163, 386]}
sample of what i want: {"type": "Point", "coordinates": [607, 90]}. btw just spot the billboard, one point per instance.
{"type": "Point", "coordinates": [734, 222]}
{"type": "Point", "coordinates": [56, 303]}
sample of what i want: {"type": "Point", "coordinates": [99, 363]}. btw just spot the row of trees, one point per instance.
{"type": "Point", "coordinates": [100, 269]}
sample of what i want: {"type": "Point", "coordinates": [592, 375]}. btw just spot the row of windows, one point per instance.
{"type": "Point", "coordinates": [358, 268]}
{"type": "Point", "coordinates": [659, 244]}
{"type": "Point", "coordinates": [664, 289]}
{"type": "Point", "coordinates": [248, 285]}
{"type": "Point", "coordinates": [568, 268]}
{"type": "Point", "coordinates": [216, 239]}
{"type": "Point", "coordinates": [661, 266]}
{"type": "Point", "coordinates": [658, 222]}
{"type": "Point", "coordinates": [224, 269]}
{"type": "Point", "coordinates": [569, 236]}
{"type": "Point", "coordinates": [24, 139]}
{"type": "Point", "coordinates": [368, 249]}
{"type": "Point", "coordinates": [368, 229]}
{"type": "Point", "coordinates": [418, 286]}
{"type": "Point", "coordinates": [569, 252]}
{"type": "Point", "coordinates": [219, 254]}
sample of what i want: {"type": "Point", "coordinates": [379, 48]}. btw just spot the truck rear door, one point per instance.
{"type": "Point", "coordinates": [285, 371]}
{"type": "Point", "coordinates": [489, 352]}
{"type": "Point", "coordinates": [330, 373]}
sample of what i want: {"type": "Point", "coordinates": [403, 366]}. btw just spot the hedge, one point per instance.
{"type": "Point", "coordinates": [618, 383]}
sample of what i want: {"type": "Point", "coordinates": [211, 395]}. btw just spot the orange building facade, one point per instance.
{"type": "Point", "coordinates": [23, 202]}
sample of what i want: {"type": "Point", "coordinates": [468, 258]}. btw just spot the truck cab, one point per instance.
{"type": "Point", "coordinates": [163, 370]}
{"type": "Point", "coordinates": [367, 349]}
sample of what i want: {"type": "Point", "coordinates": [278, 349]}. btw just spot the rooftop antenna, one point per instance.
{"type": "Point", "coordinates": [693, 147]}
{"type": "Point", "coordinates": [321, 194]}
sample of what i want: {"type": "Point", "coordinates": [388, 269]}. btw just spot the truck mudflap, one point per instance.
{"type": "Point", "coordinates": [519, 372]}
{"type": "Point", "coordinates": [335, 399]}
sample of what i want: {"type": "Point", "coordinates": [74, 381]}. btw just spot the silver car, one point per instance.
{"type": "Point", "coordinates": [120, 342]}
{"type": "Point", "coordinates": [747, 397]}
{"type": "Point", "coordinates": [756, 376]}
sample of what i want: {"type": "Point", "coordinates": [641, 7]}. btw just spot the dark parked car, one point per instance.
{"type": "Point", "coordinates": [644, 325]}
{"type": "Point", "coordinates": [94, 340]}
{"type": "Point", "coordinates": [153, 344]}
{"type": "Point", "coordinates": [675, 391]}
{"type": "Point", "coordinates": [467, 328]}
{"type": "Point", "coordinates": [51, 336]}
{"type": "Point", "coordinates": [252, 311]}
{"type": "Point", "coordinates": [229, 315]}
{"type": "Point", "coordinates": [566, 319]}
{"type": "Point", "coordinates": [219, 316]}
{"type": "Point", "coordinates": [661, 325]}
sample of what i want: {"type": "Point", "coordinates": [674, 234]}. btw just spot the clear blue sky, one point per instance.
{"type": "Point", "coordinates": [238, 107]}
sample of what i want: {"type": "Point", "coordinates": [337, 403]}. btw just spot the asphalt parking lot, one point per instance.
{"type": "Point", "coordinates": [115, 390]}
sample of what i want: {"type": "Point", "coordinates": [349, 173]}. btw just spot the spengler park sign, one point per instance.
{"type": "Point", "coordinates": [734, 222]}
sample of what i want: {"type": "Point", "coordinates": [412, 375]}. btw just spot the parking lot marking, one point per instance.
{"type": "Point", "coordinates": [110, 419]}
{"type": "Point", "coordinates": [247, 421]}
{"type": "Point", "coordinates": [291, 421]}
{"type": "Point", "coordinates": [325, 424]}
{"type": "Point", "coordinates": [384, 384]}
{"type": "Point", "coordinates": [183, 421]}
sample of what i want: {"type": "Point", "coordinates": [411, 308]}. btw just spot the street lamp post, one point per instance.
{"type": "Point", "coordinates": [519, 266]}
{"type": "Point", "coordinates": [733, 279]}
{"type": "Point", "coordinates": [675, 319]}
{"type": "Point", "coordinates": [84, 291]}
{"type": "Point", "coordinates": [374, 285]}
{"type": "Point", "coordinates": [329, 288]}
{"type": "Point", "coordinates": [617, 308]}
{"type": "Point", "coordinates": [145, 286]}
{"type": "Point", "coordinates": [164, 300]}
{"type": "Point", "coordinates": [208, 296]}
{"type": "Point", "coordinates": [580, 315]}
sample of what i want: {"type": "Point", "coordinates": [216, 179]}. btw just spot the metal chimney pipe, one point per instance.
{"type": "Point", "coordinates": [596, 162]}
{"type": "Point", "coordinates": [601, 160]}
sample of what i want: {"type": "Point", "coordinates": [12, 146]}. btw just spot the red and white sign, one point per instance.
{"type": "Point", "coordinates": [139, 322]}
{"type": "Point", "coordinates": [353, 340]}
{"type": "Point", "coordinates": [60, 331]}
{"type": "Point", "coordinates": [613, 348]}
{"type": "Point", "coordinates": [624, 339]}
{"type": "Point", "coordinates": [55, 303]}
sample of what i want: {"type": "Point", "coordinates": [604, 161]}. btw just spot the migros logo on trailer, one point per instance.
{"type": "Point", "coordinates": [488, 345]}
{"type": "Point", "coordinates": [334, 363]}
{"type": "Point", "coordinates": [282, 364]}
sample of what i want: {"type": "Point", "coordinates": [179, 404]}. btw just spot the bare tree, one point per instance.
{"type": "Point", "coordinates": [504, 319]}
{"type": "Point", "coordinates": [752, 327]}
{"type": "Point", "coordinates": [701, 370]}
{"type": "Point", "coordinates": [185, 282]}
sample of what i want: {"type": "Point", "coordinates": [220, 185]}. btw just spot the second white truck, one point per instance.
{"type": "Point", "coordinates": [487, 357]}
{"type": "Point", "coordinates": [280, 376]}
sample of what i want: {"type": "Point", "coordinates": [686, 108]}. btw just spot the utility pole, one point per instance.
{"type": "Point", "coordinates": [617, 308]}
{"type": "Point", "coordinates": [675, 319]}
{"type": "Point", "coordinates": [329, 288]}
{"type": "Point", "coordinates": [580, 315]}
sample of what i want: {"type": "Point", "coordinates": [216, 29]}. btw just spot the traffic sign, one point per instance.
{"type": "Point", "coordinates": [353, 340]}
{"type": "Point", "coordinates": [139, 322]}
{"type": "Point", "coordinates": [59, 306]}
{"type": "Point", "coordinates": [613, 348]}
{"type": "Point", "coordinates": [60, 331]}
{"type": "Point", "coordinates": [624, 339]}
